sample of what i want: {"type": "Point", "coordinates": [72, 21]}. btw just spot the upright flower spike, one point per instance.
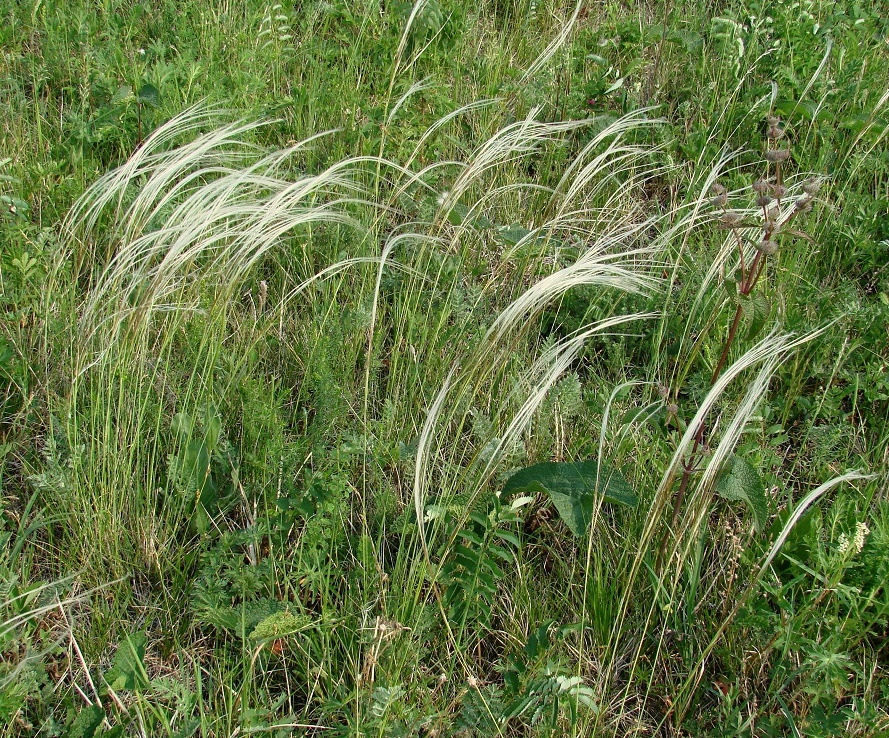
{"type": "Point", "coordinates": [769, 191]}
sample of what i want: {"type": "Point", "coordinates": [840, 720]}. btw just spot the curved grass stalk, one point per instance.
{"type": "Point", "coordinates": [423, 84]}
{"type": "Point", "coordinates": [550, 51]}
{"type": "Point", "coordinates": [191, 225]}
{"type": "Point", "coordinates": [767, 354]}
{"type": "Point", "coordinates": [697, 672]}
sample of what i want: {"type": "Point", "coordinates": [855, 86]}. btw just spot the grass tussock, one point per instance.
{"type": "Point", "coordinates": [499, 372]}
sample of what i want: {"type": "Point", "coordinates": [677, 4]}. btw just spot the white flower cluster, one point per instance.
{"type": "Point", "coordinates": [861, 532]}
{"type": "Point", "coordinates": [857, 542]}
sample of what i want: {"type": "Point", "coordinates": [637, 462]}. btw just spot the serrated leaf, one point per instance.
{"type": "Point", "coordinates": [573, 486]}
{"type": "Point", "coordinates": [502, 553]}
{"type": "Point", "coordinates": [279, 625]}
{"type": "Point", "coordinates": [740, 481]}
{"type": "Point", "coordinates": [487, 580]}
{"type": "Point", "coordinates": [505, 535]}
{"type": "Point", "coordinates": [481, 519]}
{"type": "Point", "coordinates": [760, 311]}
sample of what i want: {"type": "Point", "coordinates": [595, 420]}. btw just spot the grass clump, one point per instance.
{"type": "Point", "coordinates": [319, 418]}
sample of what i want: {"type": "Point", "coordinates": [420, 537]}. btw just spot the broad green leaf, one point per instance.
{"type": "Point", "coordinates": [124, 92]}
{"type": "Point", "coordinates": [573, 486]}
{"type": "Point", "coordinates": [615, 86]}
{"type": "Point", "coordinates": [731, 287]}
{"type": "Point", "coordinates": [804, 109]}
{"type": "Point", "coordinates": [740, 481]}
{"type": "Point", "coordinates": [128, 668]}
{"type": "Point", "coordinates": [213, 431]}
{"type": "Point", "coordinates": [460, 214]}
{"type": "Point", "coordinates": [182, 425]}
{"type": "Point", "coordinates": [87, 722]}
{"type": "Point", "coordinates": [279, 625]}
{"type": "Point", "coordinates": [512, 234]}
{"type": "Point", "coordinates": [115, 732]}
{"type": "Point", "coordinates": [149, 95]}
{"type": "Point", "coordinates": [857, 123]}
{"type": "Point", "coordinates": [196, 464]}
{"type": "Point", "coordinates": [511, 538]}
{"type": "Point", "coordinates": [652, 413]}
{"type": "Point", "coordinates": [539, 640]}
{"type": "Point", "coordinates": [761, 309]}
{"type": "Point", "coordinates": [14, 205]}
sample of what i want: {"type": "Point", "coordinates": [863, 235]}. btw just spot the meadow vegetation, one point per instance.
{"type": "Point", "coordinates": [509, 368]}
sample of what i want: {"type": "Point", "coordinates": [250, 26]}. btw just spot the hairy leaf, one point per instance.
{"type": "Point", "coordinates": [87, 722]}
{"type": "Point", "coordinates": [573, 488]}
{"type": "Point", "coordinates": [128, 668]}
{"type": "Point", "coordinates": [740, 481]}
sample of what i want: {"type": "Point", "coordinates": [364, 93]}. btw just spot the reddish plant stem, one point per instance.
{"type": "Point", "coordinates": [748, 282]}
{"type": "Point", "coordinates": [749, 279]}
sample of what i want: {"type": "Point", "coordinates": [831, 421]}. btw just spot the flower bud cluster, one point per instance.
{"type": "Point", "coordinates": [776, 156]}
{"type": "Point", "coordinates": [720, 198]}
{"type": "Point", "coordinates": [767, 247]}
{"type": "Point", "coordinates": [776, 133]}
{"type": "Point", "coordinates": [770, 191]}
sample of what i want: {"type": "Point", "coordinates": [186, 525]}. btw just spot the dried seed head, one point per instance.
{"type": "Point", "coordinates": [768, 247]}
{"type": "Point", "coordinates": [773, 120]}
{"type": "Point", "coordinates": [774, 156]}
{"type": "Point", "coordinates": [763, 201]}
{"type": "Point", "coordinates": [811, 186]}
{"type": "Point", "coordinates": [804, 204]}
{"type": "Point", "coordinates": [721, 200]}
{"type": "Point", "coordinates": [663, 391]}
{"type": "Point", "coordinates": [730, 219]}
{"type": "Point", "coordinates": [775, 132]}
{"type": "Point", "coordinates": [779, 191]}
{"type": "Point", "coordinates": [761, 186]}
{"type": "Point", "coordinates": [672, 408]}
{"type": "Point", "coordinates": [718, 189]}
